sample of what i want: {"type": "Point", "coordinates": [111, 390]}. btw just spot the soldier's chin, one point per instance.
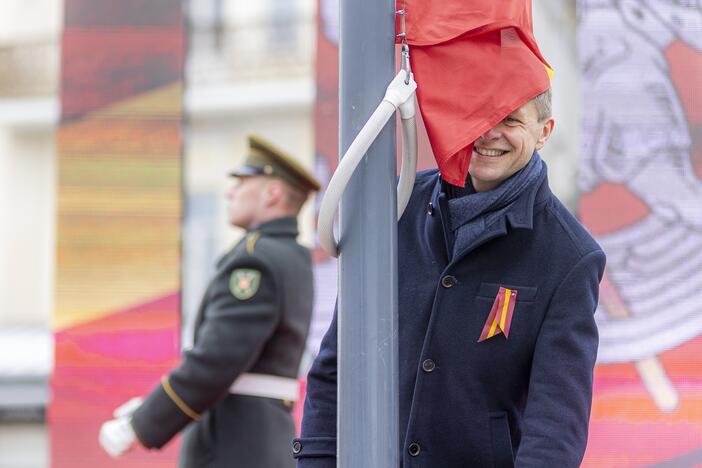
{"type": "Point", "coordinates": [236, 222]}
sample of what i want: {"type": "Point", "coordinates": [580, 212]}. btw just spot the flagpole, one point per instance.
{"type": "Point", "coordinates": [367, 422]}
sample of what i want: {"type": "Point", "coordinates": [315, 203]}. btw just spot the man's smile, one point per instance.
{"type": "Point", "coordinates": [489, 152]}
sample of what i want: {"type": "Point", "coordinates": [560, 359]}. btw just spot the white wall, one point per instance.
{"type": "Point", "coordinates": [27, 160]}
{"type": "Point", "coordinates": [554, 27]}
{"type": "Point", "coordinates": [27, 201]}
{"type": "Point", "coordinates": [29, 20]}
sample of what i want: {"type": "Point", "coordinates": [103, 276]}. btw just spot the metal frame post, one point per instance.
{"type": "Point", "coordinates": [367, 322]}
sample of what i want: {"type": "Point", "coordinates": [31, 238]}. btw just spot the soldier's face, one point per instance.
{"type": "Point", "coordinates": [505, 149]}
{"type": "Point", "coordinates": [246, 200]}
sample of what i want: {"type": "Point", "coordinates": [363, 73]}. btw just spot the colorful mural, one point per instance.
{"type": "Point", "coordinates": [640, 171]}
{"type": "Point", "coordinates": [119, 146]}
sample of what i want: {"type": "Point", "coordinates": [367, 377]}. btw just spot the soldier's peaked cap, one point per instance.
{"type": "Point", "coordinates": [265, 159]}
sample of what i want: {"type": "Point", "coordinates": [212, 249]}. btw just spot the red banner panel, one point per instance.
{"type": "Point", "coordinates": [119, 145]}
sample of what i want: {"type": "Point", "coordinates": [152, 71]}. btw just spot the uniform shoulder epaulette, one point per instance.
{"type": "Point", "coordinates": [251, 240]}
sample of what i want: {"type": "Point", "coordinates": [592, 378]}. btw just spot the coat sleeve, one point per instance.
{"type": "Point", "coordinates": [228, 342]}
{"type": "Point", "coordinates": [555, 425]}
{"type": "Point", "coordinates": [316, 447]}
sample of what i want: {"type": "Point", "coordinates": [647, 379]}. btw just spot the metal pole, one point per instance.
{"type": "Point", "coordinates": [367, 323]}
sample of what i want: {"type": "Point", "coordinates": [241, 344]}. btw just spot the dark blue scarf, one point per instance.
{"type": "Point", "coordinates": [469, 215]}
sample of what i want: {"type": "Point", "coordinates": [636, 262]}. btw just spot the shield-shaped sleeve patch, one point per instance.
{"type": "Point", "coordinates": [244, 283]}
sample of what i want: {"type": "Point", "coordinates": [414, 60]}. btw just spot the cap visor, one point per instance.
{"type": "Point", "coordinates": [246, 171]}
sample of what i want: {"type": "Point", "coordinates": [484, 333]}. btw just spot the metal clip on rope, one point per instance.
{"type": "Point", "coordinates": [399, 95]}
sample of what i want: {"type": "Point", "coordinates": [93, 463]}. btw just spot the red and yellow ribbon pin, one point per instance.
{"type": "Point", "coordinates": [500, 317]}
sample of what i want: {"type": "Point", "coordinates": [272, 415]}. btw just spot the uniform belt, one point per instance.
{"type": "Point", "coordinates": [267, 386]}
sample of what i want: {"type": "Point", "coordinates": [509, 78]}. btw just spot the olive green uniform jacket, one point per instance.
{"type": "Point", "coordinates": [254, 318]}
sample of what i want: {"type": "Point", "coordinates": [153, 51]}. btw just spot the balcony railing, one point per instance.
{"type": "Point", "coordinates": [279, 49]}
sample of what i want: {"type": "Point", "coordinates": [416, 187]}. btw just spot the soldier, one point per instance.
{"type": "Point", "coordinates": [233, 391]}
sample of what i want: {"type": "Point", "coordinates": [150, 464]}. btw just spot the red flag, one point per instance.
{"type": "Point", "coordinates": [475, 62]}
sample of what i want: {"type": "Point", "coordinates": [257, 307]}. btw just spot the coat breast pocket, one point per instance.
{"type": "Point", "coordinates": [511, 311]}
{"type": "Point", "coordinates": [524, 293]}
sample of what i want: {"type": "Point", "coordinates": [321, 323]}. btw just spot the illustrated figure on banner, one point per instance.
{"type": "Point", "coordinates": [636, 134]}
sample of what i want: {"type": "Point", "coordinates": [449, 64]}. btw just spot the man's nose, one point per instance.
{"type": "Point", "coordinates": [491, 134]}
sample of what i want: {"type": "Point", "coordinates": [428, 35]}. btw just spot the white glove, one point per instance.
{"type": "Point", "coordinates": [128, 408]}
{"type": "Point", "coordinates": [117, 436]}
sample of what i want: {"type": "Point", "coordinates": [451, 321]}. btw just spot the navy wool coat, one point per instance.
{"type": "Point", "coordinates": [521, 401]}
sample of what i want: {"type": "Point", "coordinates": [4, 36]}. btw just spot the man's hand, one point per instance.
{"type": "Point", "coordinates": [117, 436]}
{"type": "Point", "coordinates": [128, 408]}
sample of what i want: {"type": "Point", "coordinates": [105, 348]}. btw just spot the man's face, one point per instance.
{"type": "Point", "coordinates": [508, 147]}
{"type": "Point", "coordinates": [246, 200]}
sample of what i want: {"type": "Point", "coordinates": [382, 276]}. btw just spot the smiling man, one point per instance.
{"type": "Point", "coordinates": [507, 148]}
{"type": "Point", "coordinates": [498, 284]}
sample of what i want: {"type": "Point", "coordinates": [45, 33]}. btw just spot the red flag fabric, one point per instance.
{"type": "Point", "coordinates": [475, 62]}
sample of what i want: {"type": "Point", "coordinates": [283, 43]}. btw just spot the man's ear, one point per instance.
{"type": "Point", "coordinates": [546, 130]}
{"type": "Point", "coordinates": [275, 192]}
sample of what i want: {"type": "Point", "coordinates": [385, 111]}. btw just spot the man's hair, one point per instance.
{"type": "Point", "coordinates": [295, 197]}
{"type": "Point", "coordinates": [543, 105]}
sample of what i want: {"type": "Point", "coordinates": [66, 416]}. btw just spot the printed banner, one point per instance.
{"type": "Point", "coordinates": [640, 179]}
{"type": "Point", "coordinates": [119, 214]}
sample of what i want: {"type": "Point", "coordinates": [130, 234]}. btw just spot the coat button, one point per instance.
{"type": "Point", "coordinates": [428, 365]}
{"type": "Point", "coordinates": [297, 447]}
{"type": "Point", "coordinates": [430, 208]}
{"type": "Point", "coordinates": [414, 449]}
{"type": "Point", "coordinates": [448, 281]}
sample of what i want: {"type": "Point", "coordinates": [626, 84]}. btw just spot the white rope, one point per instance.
{"type": "Point", "coordinates": [409, 164]}
{"type": "Point", "coordinates": [399, 95]}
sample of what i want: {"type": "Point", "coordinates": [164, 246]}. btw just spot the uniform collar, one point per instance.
{"type": "Point", "coordinates": [278, 227]}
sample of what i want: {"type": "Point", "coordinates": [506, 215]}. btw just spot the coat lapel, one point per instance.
{"type": "Point", "coordinates": [519, 214]}
{"type": "Point", "coordinates": [471, 236]}
{"type": "Point", "coordinates": [436, 225]}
